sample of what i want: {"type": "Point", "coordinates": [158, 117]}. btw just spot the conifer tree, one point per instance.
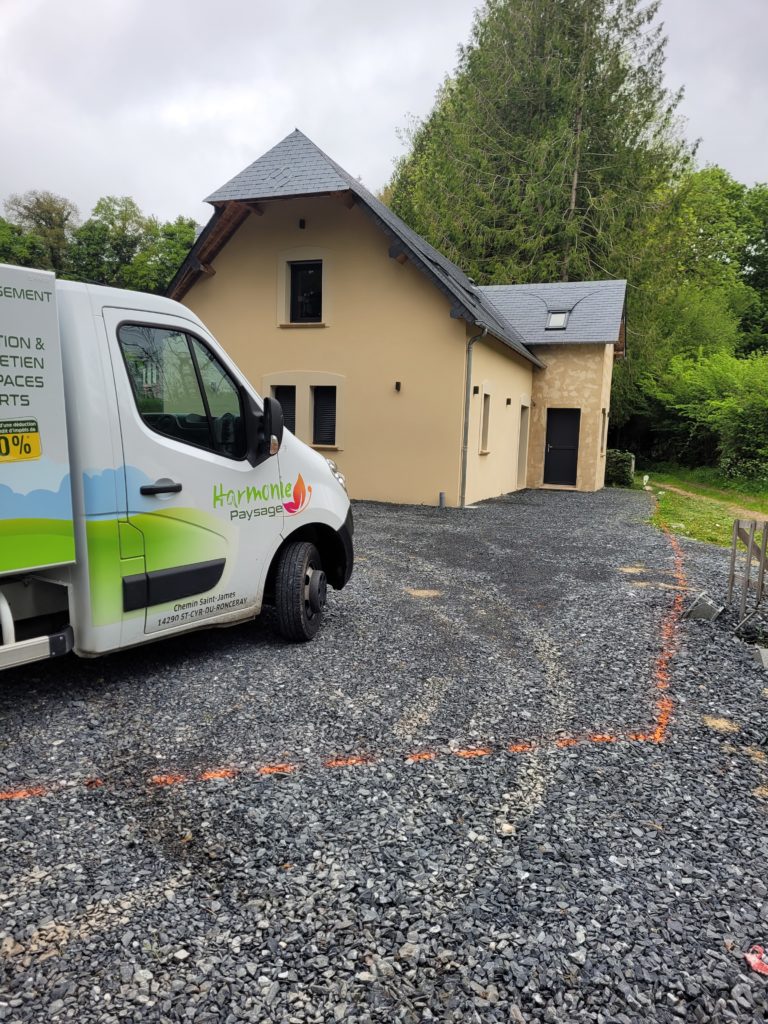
{"type": "Point", "coordinates": [549, 147]}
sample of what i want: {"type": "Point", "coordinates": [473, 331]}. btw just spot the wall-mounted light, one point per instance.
{"type": "Point", "coordinates": [397, 385]}
{"type": "Point", "coordinates": [509, 401]}
{"type": "Point", "coordinates": [302, 223]}
{"type": "Point", "coordinates": [476, 389]}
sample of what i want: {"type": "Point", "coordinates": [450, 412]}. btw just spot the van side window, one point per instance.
{"type": "Point", "coordinates": [182, 390]}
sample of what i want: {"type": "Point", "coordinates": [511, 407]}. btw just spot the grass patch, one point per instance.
{"type": "Point", "coordinates": [696, 517]}
{"type": "Point", "coordinates": [711, 484]}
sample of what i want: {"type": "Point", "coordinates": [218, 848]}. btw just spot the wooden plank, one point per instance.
{"type": "Point", "coordinates": [744, 537]}
{"type": "Point", "coordinates": [732, 568]}
{"type": "Point", "coordinates": [747, 568]}
{"type": "Point", "coordinates": [761, 569]}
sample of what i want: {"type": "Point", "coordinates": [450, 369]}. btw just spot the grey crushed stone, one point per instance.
{"type": "Point", "coordinates": [628, 889]}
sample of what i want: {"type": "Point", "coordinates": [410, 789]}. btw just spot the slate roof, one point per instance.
{"type": "Point", "coordinates": [297, 167]}
{"type": "Point", "coordinates": [595, 310]}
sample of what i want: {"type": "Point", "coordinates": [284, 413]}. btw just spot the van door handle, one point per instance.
{"type": "Point", "coordinates": [160, 488]}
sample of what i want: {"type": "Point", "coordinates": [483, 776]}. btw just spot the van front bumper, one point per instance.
{"type": "Point", "coordinates": [347, 561]}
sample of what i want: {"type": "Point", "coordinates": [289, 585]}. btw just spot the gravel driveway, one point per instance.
{"type": "Point", "coordinates": [451, 806]}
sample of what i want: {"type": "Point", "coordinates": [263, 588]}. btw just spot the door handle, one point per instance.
{"type": "Point", "coordinates": [160, 488]}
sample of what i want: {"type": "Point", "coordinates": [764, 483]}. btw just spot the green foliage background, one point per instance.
{"type": "Point", "coordinates": [554, 152]}
{"type": "Point", "coordinates": [117, 245]}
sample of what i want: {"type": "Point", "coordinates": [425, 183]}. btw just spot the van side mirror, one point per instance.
{"type": "Point", "coordinates": [263, 429]}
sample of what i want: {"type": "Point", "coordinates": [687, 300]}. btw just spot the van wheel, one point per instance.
{"type": "Point", "coordinates": [300, 591]}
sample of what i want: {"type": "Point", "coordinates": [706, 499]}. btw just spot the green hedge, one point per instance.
{"type": "Point", "coordinates": [618, 468]}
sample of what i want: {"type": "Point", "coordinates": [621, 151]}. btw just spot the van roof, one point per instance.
{"type": "Point", "coordinates": [101, 296]}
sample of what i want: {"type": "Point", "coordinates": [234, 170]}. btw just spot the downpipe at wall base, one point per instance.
{"type": "Point", "coordinates": [467, 403]}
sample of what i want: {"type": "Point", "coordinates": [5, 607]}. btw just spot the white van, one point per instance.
{"type": "Point", "coordinates": [145, 488]}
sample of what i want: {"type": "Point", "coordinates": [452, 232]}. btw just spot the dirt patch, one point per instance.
{"type": "Point", "coordinates": [737, 510]}
{"type": "Point", "coordinates": [719, 724]}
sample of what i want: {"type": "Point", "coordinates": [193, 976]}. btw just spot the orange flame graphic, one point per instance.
{"type": "Point", "coordinates": [301, 496]}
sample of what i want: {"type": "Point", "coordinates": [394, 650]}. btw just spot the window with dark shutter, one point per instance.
{"type": "Point", "coordinates": [307, 292]}
{"type": "Point", "coordinates": [324, 415]}
{"type": "Point", "coordinates": [286, 396]}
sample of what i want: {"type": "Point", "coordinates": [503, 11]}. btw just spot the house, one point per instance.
{"type": "Point", "coordinates": [385, 355]}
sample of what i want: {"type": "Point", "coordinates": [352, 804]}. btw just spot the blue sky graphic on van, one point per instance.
{"type": "Point", "coordinates": [39, 504]}
{"type": "Point", "coordinates": [104, 491]}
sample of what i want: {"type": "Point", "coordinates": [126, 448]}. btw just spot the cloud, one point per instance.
{"type": "Point", "coordinates": [167, 99]}
{"type": "Point", "coordinates": [40, 504]}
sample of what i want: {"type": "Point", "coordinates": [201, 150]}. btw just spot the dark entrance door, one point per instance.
{"type": "Point", "coordinates": [562, 446]}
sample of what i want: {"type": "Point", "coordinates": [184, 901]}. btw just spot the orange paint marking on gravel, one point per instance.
{"type": "Point", "coordinates": [474, 752]}
{"type": "Point", "coordinates": [24, 794]}
{"type": "Point", "coordinates": [168, 780]}
{"type": "Point", "coordinates": [218, 773]}
{"type": "Point", "coordinates": [664, 710]}
{"type": "Point", "coordinates": [278, 769]}
{"type": "Point", "coordinates": [346, 762]}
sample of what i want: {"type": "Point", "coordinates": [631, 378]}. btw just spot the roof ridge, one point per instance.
{"type": "Point", "coordinates": [268, 177]}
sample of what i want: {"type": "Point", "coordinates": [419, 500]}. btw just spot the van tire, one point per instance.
{"type": "Point", "coordinates": [297, 620]}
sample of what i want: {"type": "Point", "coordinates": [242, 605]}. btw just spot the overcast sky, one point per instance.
{"type": "Point", "coordinates": [165, 100]}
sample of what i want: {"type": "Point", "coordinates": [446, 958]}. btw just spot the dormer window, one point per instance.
{"type": "Point", "coordinates": [557, 320]}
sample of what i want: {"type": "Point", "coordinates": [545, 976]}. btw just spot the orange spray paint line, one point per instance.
{"type": "Point", "coordinates": [23, 794]}
{"type": "Point", "coordinates": [218, 773]}
{"type": "Point", "coordinates": [473, 752]}
{"type": "Point", "coordinates": [170, 779]}
{"type": "Point", "coordinates": [278, 769]}
{"type": "Point", "coordinates": [346, 762]}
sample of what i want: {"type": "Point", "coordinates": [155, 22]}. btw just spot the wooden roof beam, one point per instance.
{"type": "Point", "coordinates": [397, 252]}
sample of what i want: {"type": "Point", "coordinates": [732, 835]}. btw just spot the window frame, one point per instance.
{"type": "Point", "coordinates": [304, 263]}
{"type": "Point", "coordinates": [175, 328]}
{"type": "Point", "coordinates": [273, 389]}
{"type": "Point", "coordinates": [557, 312]}
{"type": "Point", "coordinates": [485, 422]}
{"type": "Point", "coordinates": [313, 390]}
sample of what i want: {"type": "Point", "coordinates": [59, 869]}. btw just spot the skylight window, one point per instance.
{"type": "Point", "coordinates": [557, 321]}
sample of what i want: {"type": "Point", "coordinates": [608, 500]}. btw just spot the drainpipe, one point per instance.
{"type": "Point", "coordinates": [467, 401]}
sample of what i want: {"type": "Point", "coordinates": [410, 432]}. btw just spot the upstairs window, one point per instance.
{"type": "Point", "coordinates": [286, 396]}
{"type": "Point", "coordinates": [323, 415]}
{"type": "Point", "coordinates": [557, 320]}
{"type": "Point", "coordinates": [306, 292]}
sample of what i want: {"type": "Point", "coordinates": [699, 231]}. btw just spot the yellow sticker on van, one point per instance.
{"type": "Point", "coordinates": [19, 440]}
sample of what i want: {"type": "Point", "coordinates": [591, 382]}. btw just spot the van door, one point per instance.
{"type": "Point", "coordinates": [205, 518]}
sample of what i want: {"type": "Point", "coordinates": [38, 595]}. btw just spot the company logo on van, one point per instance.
{"type": "Point", "coordinates": [269, 499]}
{"type": "Point", "coordinates": [301, 496]}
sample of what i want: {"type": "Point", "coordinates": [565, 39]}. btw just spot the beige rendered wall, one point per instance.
{"type": "Point", "coordinates": [501, 376]}
{"type": "Point", "coordinates": [576, 377]}
{"type": "Point", "coordinates": [383, 322]}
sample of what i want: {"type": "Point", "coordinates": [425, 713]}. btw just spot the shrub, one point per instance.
{"type": "Point", "coordinates": [618, 468]}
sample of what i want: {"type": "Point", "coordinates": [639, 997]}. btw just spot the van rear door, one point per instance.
{"type": "Point", "coordinates": [204, 518]}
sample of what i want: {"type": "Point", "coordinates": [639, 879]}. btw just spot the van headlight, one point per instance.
{"type": "Point", "coordinates": [337, 473]}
